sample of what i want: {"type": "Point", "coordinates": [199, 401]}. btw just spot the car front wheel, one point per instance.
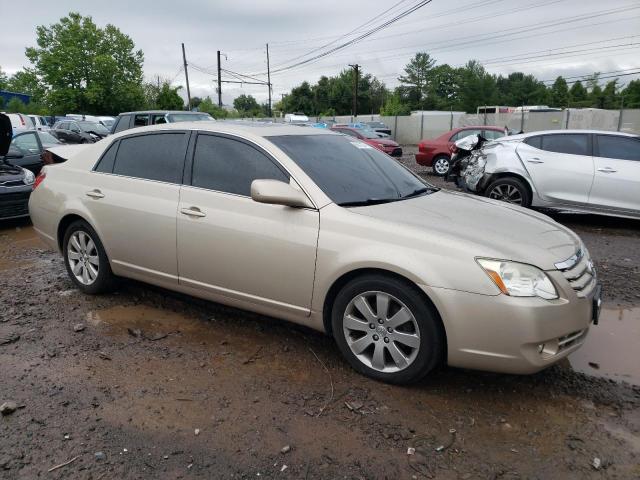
{"type": "Point", "coordinates": [386, 329]}
{"type": "Point", "coordinates": [441, 165]}
{"type": "Point", "coordinates": [86, 260]}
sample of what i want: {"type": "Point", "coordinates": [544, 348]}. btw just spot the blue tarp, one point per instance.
{"type": "Point", "coordinates": [6, 96]}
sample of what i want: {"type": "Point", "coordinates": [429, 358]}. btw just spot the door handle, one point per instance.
{"type": "Point", "coordinates": [95, 194]}
{"type": "Point", "coordinates": [607, 170]}
{"type": "Point", "coordinates": [535, 160]}
{"type": "Point", "coordinates": [193, 212]}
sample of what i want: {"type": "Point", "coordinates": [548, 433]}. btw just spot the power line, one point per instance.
{"type": "Point", "coordinates": [358, 38]}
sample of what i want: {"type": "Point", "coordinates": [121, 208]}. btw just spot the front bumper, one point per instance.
{"type": "Point", "coordinates": [15, 204]}
{"type": "Point", "coordinates": [517, 335]}
{"type": "Point", "coordinates": [393, 151]}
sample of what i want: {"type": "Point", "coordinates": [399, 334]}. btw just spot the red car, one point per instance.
{"type": "Point", "coordinates": [437, 152]}
{"type": "Point", "coordinates": [383, 144]}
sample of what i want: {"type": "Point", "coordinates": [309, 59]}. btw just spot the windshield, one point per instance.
{"type": "Point", "coordinates": [93, 127]}
{"type": "Point", "coordinates": [47, 139]}
{"type": "Point", "coordinates": [188, 117]}
{"type": "Point", "coordinates": [108, 122]}
{"type": "Point", "coordinates": [368, 133]}
{"type": "Point", "coordinates": [349, 171]}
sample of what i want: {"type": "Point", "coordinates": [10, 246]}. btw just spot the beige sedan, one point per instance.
{"type": "Point", "coordinates": [323, 230]}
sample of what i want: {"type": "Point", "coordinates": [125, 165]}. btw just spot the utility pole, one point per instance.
{"type": "Point", "coordinates": [219, 82]}
{"type": "Point", "coordinates": [186, 74]}
{"type": "Point", "coordinates": [356, 68]}
{"type": "Point", "coordinates": [269, 81]}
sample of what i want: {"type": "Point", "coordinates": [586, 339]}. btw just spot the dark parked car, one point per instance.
{"type": "Point", "coordinates": [436, 152]}
{"type": "Point", "coordinates": [79, 131]}
{"type": "Point", "coordinates": [27, 148]}
{"type": "Point", "coordinates": [128, 120]}
{"type": "Point", "coordinates": [15, 182]}
{"type": "Point", "coordinates": [379, 127]}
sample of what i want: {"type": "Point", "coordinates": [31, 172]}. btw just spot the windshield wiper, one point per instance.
{"type": "Point", "coordinates": [368, 201]}
{"type": "Point", "coordinates": [420, 191]}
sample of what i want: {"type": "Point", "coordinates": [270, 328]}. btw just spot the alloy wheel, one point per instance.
{"type": "Point", "coordinates": [82, 255]}
{"type": "Point", "coordinates": [441, 166]}
{"type": "Point", "coordinates": [506, 193]}
{"type": "Point", "coordinates": [381, 331]}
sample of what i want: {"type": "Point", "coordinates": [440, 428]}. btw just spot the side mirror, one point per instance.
{"type": "Point", "coordinates": [14, 152]}
{"type": "Point", "coordinates": [276, 192]}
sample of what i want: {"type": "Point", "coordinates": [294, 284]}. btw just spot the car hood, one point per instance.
{"type": "Point", "coordinates": [494, 229]}
{"type": "Point", "coordinates": [10, 173]}
{"type": "Point", "coordinates": [383, 141]}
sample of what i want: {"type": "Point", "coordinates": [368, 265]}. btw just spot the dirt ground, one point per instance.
{"type": "Point", "coordinates": [145, 383]}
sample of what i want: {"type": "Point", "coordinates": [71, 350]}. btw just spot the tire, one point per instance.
{"type": "Point", "coordinates": [441, 165]}
{"type": "Point", "coordinates": [509, 189]}
{"type": "Point", "coordinates": [398, 362]}
{"type": "Point", "coordinates": [86, 260]}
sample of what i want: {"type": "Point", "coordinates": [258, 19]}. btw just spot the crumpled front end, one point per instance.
{"type": "Point", "coordinates": [474, 171]}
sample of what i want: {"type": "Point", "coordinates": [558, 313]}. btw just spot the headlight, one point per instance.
{"type": "Point", "coordinates": [29, 177]}
{"type": "Point", "coordinates": [519, 279]}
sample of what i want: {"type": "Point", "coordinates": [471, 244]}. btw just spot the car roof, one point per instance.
{"type": "Point", "coordinates": [547, 132]}
{"type": "Point", "coordinates": [258, 129]}
{"type": "Point", "coordinates": [164, 112]}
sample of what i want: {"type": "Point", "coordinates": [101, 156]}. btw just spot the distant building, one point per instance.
{"type": "Point", "coordinates": [7, 96]}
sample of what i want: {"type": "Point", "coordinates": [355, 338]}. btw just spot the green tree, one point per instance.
{"type": "Point", "coordinates": [87, 69]}
{"type": "Point", "coordinates": [416, 79]}
{"type": "Point", "coordinates": [610, 96]}
{"type": "Point", "coordinates": [15, 105]}
{"type": "Point", "coordinates": [477, 87]}
{"type": "Point", "coordinates": [169, 98]}
{"type": "Point", "coordinates": [596, 98]}
{"type": "Point", "coordinates": [3, 80]}
{"type": "Point", "coordinates": [395, 106]}
{"type": "Point", "coordinates": [631, 94]}
{"type": "Point", "coordinates": [299, 100]}
{"type": "Point", "coordinates": [246, 105]}
{"type": "Point", "coordinates": [559, 95]}
{"type": "Point", "coordinates": [578, 95]}
{"type": "Point", "coordinates": [207, 105]}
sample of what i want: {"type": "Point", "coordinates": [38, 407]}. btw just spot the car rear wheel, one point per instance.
{"type": "Point", "coordinates": [386, 330]}
{"type": "Point", "coordinates": [441, 165]}
{"type": "Point", "coordinates": [85, 259]}
{"type": "Point", "coordinates": [510, 190]}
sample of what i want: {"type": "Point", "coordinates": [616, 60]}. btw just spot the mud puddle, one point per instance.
{"type": "Point", "coordinates": [612, 347]}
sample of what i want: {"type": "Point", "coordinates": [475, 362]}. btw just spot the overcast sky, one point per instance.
{"type": "Point", "coordinates": [545, 38]}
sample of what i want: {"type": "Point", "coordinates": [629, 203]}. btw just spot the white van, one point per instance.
{"type": "Point", "coordinates": [295, 118]}
{"type": "Point", "coordinates": [20, 122]}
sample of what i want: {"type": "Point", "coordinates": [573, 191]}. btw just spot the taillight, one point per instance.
{"type": "Point", "coordinates": [39, 179]}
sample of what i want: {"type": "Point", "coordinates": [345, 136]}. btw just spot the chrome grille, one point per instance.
{"type": "Point", "coordinates": [579, 272]}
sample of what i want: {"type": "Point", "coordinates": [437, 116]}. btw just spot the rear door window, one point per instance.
{"type": "Point", "coordinates": [122, 123]}
{"type": "Point", "coordinates": [157, 156]}
{"type": "Point", "coordinates": [535, 142]}
{"type": "Point", "coordinates": [227, 165]}
{"type": "Point", "coordinates": [105, 165]}
{"type": "Point", "coordinates": [623, 148]}
{"type": "Point", "coordinates": [568, 143]}
{"type": "Point", "coordinates": [464, 133]}
{"type": "Point", "coordinates": [141, 120]}
{"type": "Point", "coordinates": [492, 134]}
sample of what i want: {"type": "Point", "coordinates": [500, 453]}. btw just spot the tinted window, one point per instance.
{"type": "Point", "coordinates": [228, 165]}
{"type": "Point", "coordinates": [158, 120]}
{"type": "Point", "coordinates": [569, 143]}
{"type": "Point", "coordinates": [107, 161]}
{"type": "Point", "coordinates": [27, 142]}
{"type": "Point", "coordinates": [140, 120]}
{"type": "Point", "coordinates": [492, 134]}
{"type": "Point", "coordinates": [47, 139]}
{"type": "Point", "coordinates": [123, 124]}
{"type": "Point", "coordinates": [535, 142]}
{"type": "Point", "coordinates": [464, 133]}
{"type": "Point", "coordinates": [189, 117]}
{"type": "Point", "coordinates": [347, 170]}
{"type": "Point", "coordinates": [154, 157]}
{"type": "Point", "coordinates": [624, 148]}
